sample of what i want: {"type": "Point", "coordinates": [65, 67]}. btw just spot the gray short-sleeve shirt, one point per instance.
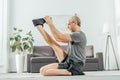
{"type": "Point", "coordinates": [77, 46]}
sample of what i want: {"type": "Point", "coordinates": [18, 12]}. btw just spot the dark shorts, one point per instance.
{"type": "Point", "coordinates": [70, 65]}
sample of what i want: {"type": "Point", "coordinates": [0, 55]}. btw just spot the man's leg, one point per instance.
{"type": "Point", "coordinates": [52, 70]}
{"type": "Point", "coordinates": [59, 51]}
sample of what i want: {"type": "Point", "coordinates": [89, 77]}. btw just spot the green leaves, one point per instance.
{"type": "Point", "coordinates": [13, 48]}
{"type": "Point", "coordinates": [21, 44]}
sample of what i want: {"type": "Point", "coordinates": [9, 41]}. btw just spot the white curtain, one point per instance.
{"type": "Point", "coordinates": [1, 29]}
{"type": "Point", "coordinates": [4, 36]}
{"type": "Point", "coordinates": [117, 18]}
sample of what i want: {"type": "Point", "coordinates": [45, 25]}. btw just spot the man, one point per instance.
{"type": "Point", "coordinates": [71, 61]}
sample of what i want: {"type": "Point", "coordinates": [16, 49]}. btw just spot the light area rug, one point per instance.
{"type": "Point", "coordinates": [96, 75]}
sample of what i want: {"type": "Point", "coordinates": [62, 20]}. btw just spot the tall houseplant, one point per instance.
{"type": "Point", "coordinates": [21, 45]}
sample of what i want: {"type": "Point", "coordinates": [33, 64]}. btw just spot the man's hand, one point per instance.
{"type": "Point", "coordinates": [48, 20]}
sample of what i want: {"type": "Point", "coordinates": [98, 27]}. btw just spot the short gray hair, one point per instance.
{"type": "Point", "coordinates": [76, 18]}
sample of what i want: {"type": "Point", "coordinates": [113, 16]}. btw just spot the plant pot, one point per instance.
{"type": "Point", "coordinates": [19, 63]}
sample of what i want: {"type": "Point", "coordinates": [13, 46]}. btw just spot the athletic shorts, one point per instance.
{"type": "Point", "coordinates": [71, 66]}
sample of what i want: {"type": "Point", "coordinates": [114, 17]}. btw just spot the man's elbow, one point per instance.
{"type": "Point", "coordinates": [60, 40]}
{"type": "Point", "coordinates": [57, 39]}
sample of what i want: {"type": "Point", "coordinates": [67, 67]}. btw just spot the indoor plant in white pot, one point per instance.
{"type": "Point", "coordinates": [21, 45]}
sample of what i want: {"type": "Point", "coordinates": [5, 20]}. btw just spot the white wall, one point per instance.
{"type": "Point", "coordinates": [93, 13]}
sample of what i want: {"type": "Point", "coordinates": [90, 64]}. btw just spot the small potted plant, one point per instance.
{"type": "Point", "coordinates": [21, 45]}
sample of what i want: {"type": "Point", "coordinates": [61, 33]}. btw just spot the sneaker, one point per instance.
{"type": "Point", "coordinates": [40, 21]}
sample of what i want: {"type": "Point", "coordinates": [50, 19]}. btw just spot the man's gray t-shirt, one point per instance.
{"type": "Point", "coordinates": [77, 47]}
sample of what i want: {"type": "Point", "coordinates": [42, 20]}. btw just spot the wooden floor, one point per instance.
{"type": "Point", "coordinates": [95, 75]}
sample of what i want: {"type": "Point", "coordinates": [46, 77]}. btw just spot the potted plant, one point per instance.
{"type": "Point", "coordinates": [21, 45]}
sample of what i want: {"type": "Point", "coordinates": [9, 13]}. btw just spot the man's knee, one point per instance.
{"type": "Point", "coordinates": [52, 44]}
{"type": "Point", "coordinates": [42, 70]}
